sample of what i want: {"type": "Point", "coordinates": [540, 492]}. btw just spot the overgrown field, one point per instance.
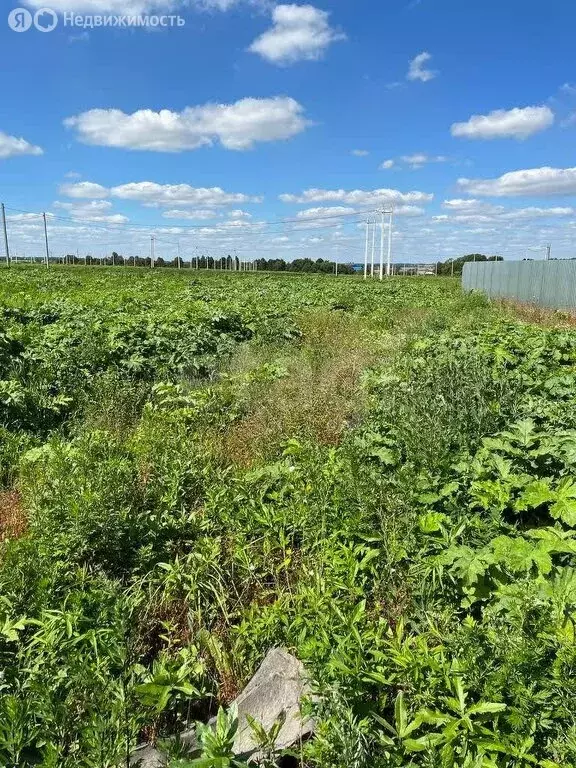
{"type": "Point", "coordinates": [380, 477]}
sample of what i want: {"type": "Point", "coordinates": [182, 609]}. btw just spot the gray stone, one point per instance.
{"type": "Point", "coordinates": [277, 688]}
{"type": "Point", "coordinates": [147, 757]}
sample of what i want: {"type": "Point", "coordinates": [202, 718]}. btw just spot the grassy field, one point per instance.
{"type": "Point", "coordinates": [379, 477]}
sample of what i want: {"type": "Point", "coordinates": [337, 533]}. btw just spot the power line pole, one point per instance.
{"type": "Point", "coordinates": [179, 259]}
{"type": "Point", "coordinates": [5, 236]}
{"type": "Point", "coordinates": [46, 239]}
{"type": "Point", "coordinates": [389, 264]}
{"type": "Point", "coordinates": [366, 251]}
{"type": "Point", "coordinates": [548, 247]}
{"type": "Point", "coordinates": [373, 247]}
{"type": "Point", "coordinates": [382, 245]}
{"type": "Point", "coordinates": [152, 254]}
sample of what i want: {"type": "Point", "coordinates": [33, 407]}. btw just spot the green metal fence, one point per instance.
{"type": "Point", "coordinates": [545, 283]}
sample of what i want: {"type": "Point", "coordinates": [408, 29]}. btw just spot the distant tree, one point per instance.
{"type": "Point", "coordinates": [454, 266]}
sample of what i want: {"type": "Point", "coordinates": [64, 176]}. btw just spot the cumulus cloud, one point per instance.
{"type": "Point", "coordinates": [299, 33]}
{"type": "Point", "coordinates": [534, 182]}
{"type": "Point", "coordinates": [84, 189]}
{"type": "Point", "coordinates": [11, 146]}
{"type": "Point", "coordinates": [386, 165]}
{"type": "Point", "coordinates": [409, 210]}
{"type": "Point", "coordinates": [417, 68]}
{"type": "Point", "coordinates": [94, 211]}
{"type": "Point", "coordinates": [537, 213]}
{"type": "Point", "coordinates": [198, 215]}
{"type": "Point", "coordinates": [326, 211]}
{"type": "Point", "coordinates": [459, 205]}
{"type": "Point", "coordinates": [517, 123]}
{"type": "Point", "coordinates": [236, 126]}
{"type": "Point", "coordinates": [359, 197]}
{"type": "Point", "coordinates": [239, 214]}
{"type": "Point", "coordinates": [360, 152]}
{"type": "Point", "coordinates": [478, 211]}
{"type": "Point", "coordinates": [152, 194]}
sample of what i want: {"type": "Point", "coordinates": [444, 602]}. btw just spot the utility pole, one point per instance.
{"type": "Point", "coordinates": [389, 264]}
{"type": "Point", "coordinates": [152, 254]}
{"type": "Point", "coordinates": [46, 239]}
{"type": "Point", "coordinates": [5, 236]}
{"type": "Point", "coordinates": [366, 250]}
{"type": "Point", "coordinates": [179, 259]}
{"type": "Point", "coordinates": [373, 247]}
{"type": "Point", "coordinates": [548, 247]}
{"type": "Point", "coordinates": [382, 246]}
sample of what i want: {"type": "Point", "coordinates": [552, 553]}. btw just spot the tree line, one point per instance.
{"type": "Point", "coordinates": [323, 266]}
{"type": "Point", "coordinates": [455, 266]}
{"type": "Point", "coordinates": [224, 263]}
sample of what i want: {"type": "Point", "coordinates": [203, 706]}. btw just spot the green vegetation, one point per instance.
{"type": "Point", "coordinates": [378, 476]}
{"type": "Point", "coordinates": [229, 263]}
{"type": "Point", "coordinates": [455, 266]}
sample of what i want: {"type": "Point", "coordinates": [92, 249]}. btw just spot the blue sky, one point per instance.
{"type": "Point", "coordinates": [460, 115]}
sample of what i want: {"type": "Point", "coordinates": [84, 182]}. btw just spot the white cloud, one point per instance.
{"type": "Point", "coordinates": [202, 214]}
{"type": "Point", "coordinates": [537, 213]}
{"type": "Point", "coordinates": [84, 189]}
{"type": "Point", "coordinates": [152, 194]}
{"type": "Point", "coordinates": [94, 211]}
{"type": "Point", "coordinates": [535, 182]}
{"type": "Point", "coordinates": [325, 212]}
{"type": "Point", "coordinates": [479, 211]}
{"type": "Point", "coordinates": [409, 210]}
{"type": "Point", "coordinates": [299, 33]}
{"type": "Point", "coordinates": [360, 152]}
{"type": "Point", "coordinates": [11, 146]}
{"type": "Point", "coordinates": [417, 69]}
{"type": "Point", "coordinates": [239, 214]}
{"type": "Point", "coordinates": [418, 159]}
{"type": "Point", "coordinates": [514, 123]}
{"type": "Point", "coordinates": [236, 126]}
{"type": "Point", "coordinates": [26, 218]}
{"type": "Point", "coordinates": [359, 197]}
{"type": "Point", "coordinates": [471, 206]}
{"type": "Point", "coordinates": [414, 161]}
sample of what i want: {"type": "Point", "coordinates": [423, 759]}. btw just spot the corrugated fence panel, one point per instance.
{"type": "Point", "coordinates": [549, 284]}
